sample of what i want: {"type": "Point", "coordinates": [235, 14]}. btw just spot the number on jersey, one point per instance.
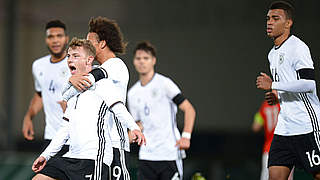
{"type": "Point", "coordinates": [51, 86]}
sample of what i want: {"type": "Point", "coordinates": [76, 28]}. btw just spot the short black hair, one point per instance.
{"type": "Point", "coordinates": [284, 5]}
{"type": "Point", "coordinates": [145, 46]}
{"type": "Point", "coordinates": [55, 23]}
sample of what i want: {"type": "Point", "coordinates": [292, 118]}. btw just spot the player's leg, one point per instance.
{"type": "Point", "coordinates": [148, 170]}
{"type": "Point", "coordinates": [54, 169]}
{"type": "Point", "coordinates": [291, 174]}
{"type": "Point", "coordinates": [279, 173]}
{"type": "Point", "coordinates": [281, 158]}
{"type": "Point", "coordinates": [119, 169]}
{"type": "Point", "coordinates": [317, 176]}
{"type": "Point", "coordinates": [264, 167]}
{"type": "Point", "coordinates": [42, 177]}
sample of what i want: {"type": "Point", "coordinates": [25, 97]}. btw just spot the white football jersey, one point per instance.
{"type": "Point", "coordinates": [152, 104]}
{"type": "Point", "coordinates": [299, 111]}
{"type": "Point", "coordinates": [119, 76]}
{"type": "Point", "coordinates": [89, 124]}
{"type": "Point", "coordinates": [49, 79]}
{"type": "Point", "coordinates": [87, 129]}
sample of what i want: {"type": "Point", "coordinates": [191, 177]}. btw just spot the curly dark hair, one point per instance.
{"type": "Point", "coordinates": [55, 23]}
{"type": "Point", "coordinates": [109, 31]}
{"type": "Point", "coordinates": [146, 46]}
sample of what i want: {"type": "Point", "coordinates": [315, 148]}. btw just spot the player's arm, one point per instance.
{"type": "Point", "coordinates": [272, 97]}
{"type": "Point", "coordinates": [80, 83]}
{"type": "Point", "coordinates": [53, 148]}
{"type": "Point", "coordinates": [123, 115]}
{"type": "Point", "coordinates": [306, 83]}
{"type": "Point", "coordinates": [34, 108]}
{"type": "Point", "coordinates": [189, 118]}
{"type": "Point", "coordinates": [111, 94]}
{"type": "Point", "coordinates": [132, 137]}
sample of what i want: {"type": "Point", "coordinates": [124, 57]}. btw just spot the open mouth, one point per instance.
{"type": "Point", "coordinates": [72, 69]}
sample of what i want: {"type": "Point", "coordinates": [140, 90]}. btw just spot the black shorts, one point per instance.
{"type": "Point", "coordinates": [158, 170]}
{"type": "Point", "coordinates": [63, 168]}
{"type": "Point", "coordinates": [64, 149]}
{"type": "Point", "coordinates": [119, 170]}
{"type": "Point", "coordinates": [301, 151]}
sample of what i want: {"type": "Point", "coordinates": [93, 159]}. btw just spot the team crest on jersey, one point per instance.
{"type": "Point", "coordinates": [154, 93]}
{"type": "Point", "coordinates": [64, 72]}
{"type": "Point", "coordinates": [281, 58]}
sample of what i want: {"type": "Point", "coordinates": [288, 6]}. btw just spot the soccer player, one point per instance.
{"type": "Point", "coordinates": [266, 118]}
{"type": "Point", "coordinates": [296, 136]}
{"type": "Point", "coordinates": [106, 37]}
{"type": "Point", "coordinates": [86, 127]}
{"type": "Point", "coordinates": [153, 102]}
{"type": "Point", "coordinates": [50, 74]}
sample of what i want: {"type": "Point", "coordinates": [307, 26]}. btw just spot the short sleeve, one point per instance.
{"type": "Point", "coordinates": [134, 110]}
{"type": "Point", "coordinates": [37, 85]}
{"type": "Point", "coordinates": [171, 88]}
{"type": "Point", "coordinates": [116, 70]}
{"type": "Point", "coordinates": [302, 58]}
{"type": "Point", "coordinates": [107, 90]}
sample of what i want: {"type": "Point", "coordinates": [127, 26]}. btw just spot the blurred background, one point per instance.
{"type": "Point", "coordinates": [213, 49]}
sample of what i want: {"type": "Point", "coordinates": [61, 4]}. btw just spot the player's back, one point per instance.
{"type": "Point", "coordinates": [119, 75]}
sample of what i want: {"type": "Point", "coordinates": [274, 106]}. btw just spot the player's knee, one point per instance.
{"type": "Point", "coordinates": [317, 176]}
{"type": "Point", "coordinates": [42, 177]}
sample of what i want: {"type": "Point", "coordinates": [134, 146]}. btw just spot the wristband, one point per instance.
{"type": "Point", "coordinates": [186, 135]}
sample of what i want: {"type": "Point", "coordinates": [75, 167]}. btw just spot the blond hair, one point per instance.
{"type": "Point", "coordinates": [86, 44]}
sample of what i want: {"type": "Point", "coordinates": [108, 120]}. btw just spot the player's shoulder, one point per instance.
{"type": "Point", "coordinates": [134, 88]}
{"type": "Point", "coordinates": [42, 60]}
{"type": "Point", "coordinates": [160, 78]}
{"type": "Point", "coordinates": [297, 43]}
{"type": "Point", "coordinates": [114, 62]}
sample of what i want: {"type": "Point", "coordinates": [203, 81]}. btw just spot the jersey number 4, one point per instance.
{"type": "Point", "coordinates": [51, 86]}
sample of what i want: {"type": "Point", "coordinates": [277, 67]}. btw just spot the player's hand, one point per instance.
{"type": "Point", "coordinates": [27, 128]}
{"type": "Point", "coordinates": [183, 143]}
{"type": "Point", "coordinates": [63, 105]}
{"type": "Point", "coordinates": [271, 98]}
{"type": "Point", "coordinates": [264, 81]}
{"type": "Point", "coordinates": [80, 81]}
{"type": "Point", "coordinates": [39, 164]}
{"type": "Point", "coordinates": [138, 137]}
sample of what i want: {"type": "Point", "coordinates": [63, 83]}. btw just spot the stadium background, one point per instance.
{"type": "Point", "coordinates": [213, 49]}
